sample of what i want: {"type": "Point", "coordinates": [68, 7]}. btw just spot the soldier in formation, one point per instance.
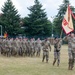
{"type": "Point", "coordinates": [20, 47]}
{"type": "Point", "coordinates": [57, 48]}
{"type": "Point", "coordinates": [71, 49]}
{"type": "Point", "coordinates": [46, 48]}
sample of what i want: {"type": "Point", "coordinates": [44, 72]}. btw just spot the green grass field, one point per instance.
{"type": "Point", "coordinates": [34, 65]}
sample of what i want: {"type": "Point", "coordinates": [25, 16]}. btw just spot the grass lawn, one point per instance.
{"type": "Point", "coordinates": [34, 65]}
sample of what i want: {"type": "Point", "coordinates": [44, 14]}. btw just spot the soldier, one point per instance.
{"type": "Point", "coordinates": [7, 47]}
{"type": "Point", "coordinates": [71, 49]}
{"type": "Point", "coordinates": [14, 47]}
{"type": "Point", "coordinates": [32, 45]}
{"type": "Point", "coordinates": [57, 47]}
{"type": "Point", "coordinates": [46, 48]}
{"type": "Point", "coordinates": [23, 46]}
{"type": "Point", "coordinates": [1, 42]}
{"type": "Point", "coordinates": [3, 47]}
{"type": "Point", "coordinates": [20, 45]}
{"type": "Point", "coordinates": [28, 48]}
{"type": "Point", "coordinates": [38, 47]}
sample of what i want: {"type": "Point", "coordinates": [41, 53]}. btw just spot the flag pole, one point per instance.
{"type": "Point", "coordinates": [61, 33]}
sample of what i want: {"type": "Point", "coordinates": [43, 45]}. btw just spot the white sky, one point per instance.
{"type": "Point", "coordinates": [51, 6]}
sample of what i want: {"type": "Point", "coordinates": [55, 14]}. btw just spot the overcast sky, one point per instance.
{"type": "Point", "coordinates": [51, 6]}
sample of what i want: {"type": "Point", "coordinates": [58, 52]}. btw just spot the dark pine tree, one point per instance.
{"type": "Point", "coordinates": [37, 24]}
{"type": "Point", "coordinates": [10, 18]}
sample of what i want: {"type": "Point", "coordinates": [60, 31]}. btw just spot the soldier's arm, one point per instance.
{"type": "Point", "coordinates": [49, 46]}
{"type": "Point", "coordinates": [43, 49]}
{"type": "Point", "coordinates": [60, 43]}
{"type": "Point", "coordinates": [66, 37]}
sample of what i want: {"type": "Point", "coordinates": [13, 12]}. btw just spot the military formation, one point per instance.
{"type": "Point", "coordinates": [20, 47]}
{"type": "Point", "coordinates": [32, 47]}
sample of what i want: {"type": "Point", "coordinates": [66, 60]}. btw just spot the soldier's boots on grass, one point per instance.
{"type": "Point", "coordinates": [54, 62]}
{"type": "Point", "coordinates": [71, 64]}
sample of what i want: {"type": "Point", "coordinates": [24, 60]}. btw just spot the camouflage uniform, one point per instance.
{"type": "Point", "coordinates": [1, 42]}
{"type": "Point", "coordinates": [38, 45]}
{"type": "Point", "coordinates": [3, 47]}
{"type": "Point", "coordinates": [71, 50]}
{"type": "Point", "coordinates": [7, 47]}
{"type": "Point", "coordinates": [32, 46]}
{"type": "Point", "coordinates": [28, 48]}
{"type": "Point", "coordinates": [57, 47]}
{"type": "Point", "coordinates": [46, 48]}
{"type": "Point", "coordinates": [45, 53]}
{"type": "Point", "coordinates": [36, 49]}
{"type": "Point", "coordinates": [20, 47]}
{"type": "Point", "coordinates": [23, 46]}
{"type": "Point", "coordinates": [14, 47]}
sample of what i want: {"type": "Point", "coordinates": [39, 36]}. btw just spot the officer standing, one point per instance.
{"type": "Point", "coordinates": [46, 48]}
{"type": "Point", "coordinates": [71, 49]}
{"type": "Point", "coordinates": [57, 47]}
{"type": "Point", "coordinates": [38, 45]}
{"type": "Point", "coordinates": [45, 53]}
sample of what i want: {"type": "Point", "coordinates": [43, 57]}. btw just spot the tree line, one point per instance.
{"type": "Point", "coordinates": [36, 24]}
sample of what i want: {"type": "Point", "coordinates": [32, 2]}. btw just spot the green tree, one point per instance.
{"type": "Point", "coordinates": [37, 24]}
{"type": "Point", "coordinates": [10, 18]}
{"type": "Point", "coordinates": [59, 17]}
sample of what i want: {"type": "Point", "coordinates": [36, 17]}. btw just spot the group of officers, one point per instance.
{"type": "Point", "coordinates": [32, 47]}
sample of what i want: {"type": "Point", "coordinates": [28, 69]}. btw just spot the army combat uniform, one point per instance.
{"type": "Point", "coordinates": [46, 48]}
{"type": "Point", "coordinates": [57, 47]}
{"type": "Point", "coordinates": [38, 46]}
{"type": "Point", "coordinates": [71, 50]}
{"type": "Point", "coordinates": [45, 53]}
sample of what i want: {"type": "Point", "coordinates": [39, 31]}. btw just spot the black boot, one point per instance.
{"type": "Point", "coordinates": [72, 64]}
{"type": "Point", "coordinates": [58, 62]}
{"type": "Point", "coordinates": [57, 65]}
{"type": "Point", "coordinates": [69, 67]}
{"type": "Point", "coordinates": [54, 62]}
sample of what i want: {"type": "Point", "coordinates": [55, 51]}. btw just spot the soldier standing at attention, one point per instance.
{"type": "Point", "coordinates": [46, 48]}
{"type": "Point", "coordinates": [38, 41]}
{"type": "Point", "coordinates": [57, 47]}
{"type": "Point", "coordinates": [71, 49]}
